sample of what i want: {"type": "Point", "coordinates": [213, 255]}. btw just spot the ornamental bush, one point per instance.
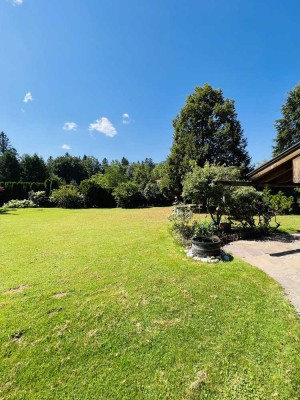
{"type": "Point", "coordinates": [19, 204]}
{"type": "Point", "coordinates": [67, 196]}
{"type": "Point", "coordinates": [40, 198]}
{"type": "Point", "coordinates": [255, 211]}
{"type": "Point", "coordinates": [183, 226]}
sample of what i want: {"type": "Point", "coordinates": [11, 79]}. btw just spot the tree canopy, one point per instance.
{"type": "Point", "coordinates": [206, 130]}
{"type": "Point", "coordinates": [288, 127]}
{"type": "Point", "coordinates": [33, 168]}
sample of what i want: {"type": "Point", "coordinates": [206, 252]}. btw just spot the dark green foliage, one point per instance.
{"type": "Point", "coordinates": [129, 195]}
{"type": "Point", "coordinates": [5, 144]}
{"type": "Point", "coordinates": [124, 162]}
{"type": "Point", "coordinates": [19, 190]}
{"type": "Point", "coordinates": [154, 196]}
{"type": "Point", "coordinates": [91, 165]}
{"type": "Point", "coordinates": [33, 168]}
{"type": "Point", "coordinates": [9, 167]}
{"type": "Point", "coordinates": [288, 127]}
{"type": "Point", "coordinates": [52, 183]}
{"type": "Point", "coordinates": [206, 130]}
{"type": "Point", "coordinates": [68, 168]}
{"type": "Point", "coordinates": [67, 196]}
{"type": "Point", "coordinates": [95, 195]}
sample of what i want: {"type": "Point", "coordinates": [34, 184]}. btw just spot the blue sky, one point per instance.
{"type": "Point", "coordinates": [89, 62]}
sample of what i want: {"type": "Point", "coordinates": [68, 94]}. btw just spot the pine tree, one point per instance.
{"type": "Point", "coordinates": [206, 130]}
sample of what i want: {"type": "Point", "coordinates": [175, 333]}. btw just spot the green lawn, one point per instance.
{"type": "Point", "coordinates": [106, 306]}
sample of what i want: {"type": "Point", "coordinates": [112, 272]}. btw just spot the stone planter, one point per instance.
{"type": "Point", "coordinates": [203, 246]}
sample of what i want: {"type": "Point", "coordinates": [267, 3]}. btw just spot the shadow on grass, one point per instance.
{"type": "Point", "coordinates": [7, 211]}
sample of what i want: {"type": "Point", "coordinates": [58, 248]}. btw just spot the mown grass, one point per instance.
{"type": "Point", "coordinates": [101, 304]}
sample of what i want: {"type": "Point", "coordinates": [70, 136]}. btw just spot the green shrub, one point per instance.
{"type": "Point", "coordinates": [19, 204]}
{"type": "Point", "coordinates": [67, 196]}
{"type": "Point", "coordinates": [95, 195]}
{"type": "Point", "coordinates": [40, 198]}
{"type": "Point", "coordinates": [255, 210]}
{"type": "Point", "coordinates": [128, 195]}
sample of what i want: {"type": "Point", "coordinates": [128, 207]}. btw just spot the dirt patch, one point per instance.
{"type": "Point", "coordinates": [60, 295]}
{"type": "Point", "coordinates": [17, 289]}
{"type": "Point", "coordinates": [198, 383]}
{"type": "Point", "coordinates": [92, 332]}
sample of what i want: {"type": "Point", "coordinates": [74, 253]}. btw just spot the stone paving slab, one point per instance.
{"type": "Point", "coordinates": [279, 257]}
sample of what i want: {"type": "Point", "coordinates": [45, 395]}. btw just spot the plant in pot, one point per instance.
{"type": "Point", "coordinates": [202, 185]}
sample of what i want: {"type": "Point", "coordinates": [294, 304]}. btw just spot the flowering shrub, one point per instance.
{"type": "Point", "coordinates": [183, 225]}
{"type": "Point", "coordinates": [19, 204]}
{"type": "Point", "coordinates": [40, 198]}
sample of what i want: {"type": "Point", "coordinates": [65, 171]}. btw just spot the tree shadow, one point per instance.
{"type": "Point", "coordinates": [7, 211]}
{"type": "Point", "coordinates": [285, 253]}
{"type": "Point", "coordinates": [283, 238]}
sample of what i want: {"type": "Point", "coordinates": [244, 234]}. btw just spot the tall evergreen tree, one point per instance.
{"type": "Point", "coordinates": [288, 127]}
{"type": "Point", "coordinates": [33, 168]}
{"type": "Point", "coordinates": [206, 130]}
{"type": "Point", "coordinates": [9, 167]}
{"type": "Point", "coordinates": [5, 144]}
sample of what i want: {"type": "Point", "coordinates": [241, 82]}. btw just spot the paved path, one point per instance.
{"type": "Point", "coordinates": [279, 257]}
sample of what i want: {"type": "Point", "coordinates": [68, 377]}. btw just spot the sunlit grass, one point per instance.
{"type": "Point", "coordinates": [102, 304]}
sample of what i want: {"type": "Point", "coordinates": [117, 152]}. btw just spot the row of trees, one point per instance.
{"type": "Point", "coordinates": [206, 130]}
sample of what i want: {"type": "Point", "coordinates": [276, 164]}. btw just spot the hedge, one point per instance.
{"type": "Point", "coordinates": [19, 190]}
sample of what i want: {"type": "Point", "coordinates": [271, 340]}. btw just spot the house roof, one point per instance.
{"type": "Point", "coordinates": [282, 169]}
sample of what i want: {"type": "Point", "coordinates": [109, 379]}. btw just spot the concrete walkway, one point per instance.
{"type": "Point", "coordinates": [279, 257]}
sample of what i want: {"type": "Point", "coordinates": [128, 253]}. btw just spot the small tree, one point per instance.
{"type": "Point", "coordinates": [201, 185]}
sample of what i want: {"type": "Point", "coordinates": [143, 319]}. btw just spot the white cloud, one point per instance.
{"type": "Point", "coordinates": [17, 2]}
{"type": "Point", "coordinates": [126, 119]}
{"type": "Point", "coordinates": [103, 125]}
{"type": "Point", "coordinates": [28, 97]}
{"type": "Point", "coordinates": [70, 126]}
{"type": "Point", "coordinates": [66, 147]}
